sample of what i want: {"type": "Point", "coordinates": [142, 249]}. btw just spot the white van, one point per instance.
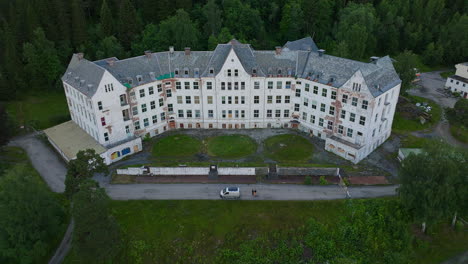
{"type": "Point", "coordinates": [230, 193]}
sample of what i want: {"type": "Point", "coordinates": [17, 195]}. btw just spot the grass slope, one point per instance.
{"type": "Point", "coordinates": [288, 148]}
{"type": "Point", "coordinates": [459, 132]}
{"type": "Point", "coordinates": [231, 146]}
{"type": "Point", "coordinates": [403, 125]}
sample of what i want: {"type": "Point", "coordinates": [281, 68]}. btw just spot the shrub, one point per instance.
{"type": "Point", "coordinates": [346, 181]}
{"type": "Point", "coordinates": [323, 181]}
{"type": "Point", "coordinates": [308, 180]}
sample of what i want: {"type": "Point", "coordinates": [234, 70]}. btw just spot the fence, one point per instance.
{"type": "Point", "coordinates": [185, 171]}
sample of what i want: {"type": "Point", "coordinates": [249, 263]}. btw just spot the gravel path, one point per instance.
{"type": "Point", "coordinates": [65, 245]}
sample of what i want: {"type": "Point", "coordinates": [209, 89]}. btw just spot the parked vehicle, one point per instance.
{"type": "Point", "coordinates": [230, 193]}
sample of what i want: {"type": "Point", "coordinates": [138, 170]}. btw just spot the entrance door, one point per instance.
{"type": "Point", "coordinates": [172, 124]}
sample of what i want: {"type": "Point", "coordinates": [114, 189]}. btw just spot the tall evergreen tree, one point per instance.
{"type": "Point", "coordinates": [178, 31]}
{"type": "Point", "coordinates": [128, 26]}
{"type": "Point", "coordinates": [78, 23]}
{"type": "Point", "coordinates": [318, 18]}
{"type": "Point", "coordinates": [107, 21]}
{"type": "Point", "coordinates": [292, 21]}
{"type": "Point", "coordinates": [212, 13]}
{"type": "Point", "coordinates": [12, 64]}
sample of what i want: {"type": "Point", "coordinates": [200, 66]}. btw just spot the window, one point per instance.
{"type": "Point", "coordinates": [99, 105]}
{"type": "Point", "coordinates": [179, 100]}
{"type": "Point", "coordinates": [229, 100]}
{"type": "Point", "coordinates": [163, 116]}
{"type": "Point", "coordinates": [270, 85]}
{"type": "Point", "coordinates": [362, 120]}
{"type": "Point", "coordinates": [354, 101]}
{"type": "Point", "coordinates": [296, 107]}
{"type": "Point", "coordinates": [286, 113]}
{"type": "Point", "coordinates": [306, 102]}
{"type": "Point", "coordinates": [155, 119]}
{"type": "Point", "coordinates": [186, 85]}
{"type": "Point", "coordinates": [364, 104]}
{"type": "Point", "coordinates": [269, 99]}
{"type": "Point", "coordinates": [242, 85]}
{"type": "Point", "coordinates": [137, 125]}
{"type": "Point", "coordinates": [146, 122]}
{"type": "Point", "coordinates": [322, 108]}
{"type": "Point", "coordinates": [209, 99]}
{"type": "Point", "coordinates": [256, 99]}
{"type": "Point", "coordinates": [223, 86]}
{"type": "Point", "coordinates": [279, 85]}
{"type": "Point", "coordinates": [373, 132]}
{"type": "Point", "coordinates": [324, 92]}
{"type": "Point", "coordinates": [229, 86]}
{"type": "Point", "coordinates": [197, 114]}
{"type": "Point", "coordinates": [278, 99]}
{"type": "Point", "coordinates": [209, 85]}
{"type": "Point", "coordinates": [242, 113]}
{"type": "Point", "coordinates": [344, 99]}
{"type": "Point", "coordinates": [312, 119]}
{"type": "Point", "coordinates": [103, 121]}
{"type": "Point", "coordinates": [340, 129]}
{"type": "Point", "coordinates": [343, 114]}
{"type": "Point", "coordinates": [150, 90]}
{"type": "Point", "coordinates": [304, 116]}
{"type": "Point", "coordinates": [256, 113]}
{"type": "Point", "coordinates": [256, 85]}
{"type": "Point", "coordinates": [236, 85]}
{"type": "Point", "coordinates": [195, 85]}
{"type": "Point", "coordinates": [127, 129]}
{"type": "Point", "coordinates": [168, 92]}
{"type": "Point", "coordinates": [210, 113]}
{"type": "Point", "coordinates": [236, 114]}
{"type": "Point", "coordinates": [376, 116]}
{"type": "Point", "coordinates": [307, 87]}
{"type": "Point", "coordinates": [277, 113]}
{"type": "Point", "coordinates": [211, 71]}
{"type": "Point", "coordinates": [288, 85]}
{"type": "Point", "coordinates": [236, 72]}
{"type": "Point", "coordinates": [143, 108]}
{"type": "Point", "coordinates": [333, 95]}
{"type": "Point", "coordinates": [223, 99]}
{"type": "Point", "coordinates": [287, 99]}
{"type": "Point", "coordinates": [349, 133]}
{"type": "Point", "coordinates": [135, 110]}
{"type": "Point", "coordinates": [181, 113]}
{"type": "Point", "coordinates": [330, 125]}
{"type": "Point", "coordinates": [229, 72]}
{"type": "Point", "coordinates": [332, 110]}
{"type": "Point", "coordinates": [159, 88]}
{"type": "Point", "coordinates": [236, 99]}
{"type": "Point", "coordinates": [269, 113]}
{"type": "Point", "coordinates": [352, 117]}
{"type": "Point", "coordinates": [320, 122]}
{"type": "Point", "coordinates": [106, 136]}
{"type": "Point", "coordinates": [170, 108]}
{"type": "Point", "coordinates": [315, 90]}
{"type": "Point", "coordinates": [189, 113]}
{"type": "Point", "coordinates": [197, 99]}
{"type": "Point", "coordinates": [161, 101]}
{"type": "Point", "coordinates": [188, 100]}
{"type": "Point", "coordinates": [178, 85]}
{"type": "Point", "coordinates": [142, 93]}
{"type": "Point", "coordinates": [242, 99]}
{"type": "Point", "coordinates": [298, 92]}
{"type": "Point", "coordinates": [223, 114]}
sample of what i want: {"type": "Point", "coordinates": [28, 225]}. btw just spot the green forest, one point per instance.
{"type": "Point", "coordinates": [38, 37]}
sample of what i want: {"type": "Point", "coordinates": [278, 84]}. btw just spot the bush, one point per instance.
{"type": "Point", "coordinates": [323, 181]}
{"type": "Point", "coordinates": [308, 180]}
{"type": "Point", "coordinates": [346, 181]}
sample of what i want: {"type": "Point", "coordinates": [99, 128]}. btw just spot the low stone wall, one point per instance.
{"type": "Point", "coordinates": [185, 171]}
{"type": "Point", "coordinates": [292, 171]}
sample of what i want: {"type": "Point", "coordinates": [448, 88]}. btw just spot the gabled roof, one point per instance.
{"type": "Point", "coordinates": [305, 44]}
{"type": "Point", "coordinates": [83, 75]}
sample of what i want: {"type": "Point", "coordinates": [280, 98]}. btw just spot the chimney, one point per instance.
{"type": "Point", "coordinates": [278, 50]}
{"type": "Point", "coordinates": [374, 59]}
{"type": "Point", "coordinates": [171, 49]}
{"type": "Point", "coordinates": [80, 55]}
{"type": "Point", "coordinates": [187, 51]}
{"type": "Point", "coordinates": [148, 53]}
{"type": "Point", "coordinates": [90, 86]}
{"type": "Point", "coordinates": [321, 52]}
{"type": "Point", "coordinates": [110, 62]}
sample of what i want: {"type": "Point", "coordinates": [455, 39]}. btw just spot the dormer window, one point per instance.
{"type": "Point", "coordinates": [211, 71]}
{"type": "Point", "coordinates": [317, 76]}
{"type": "Point", "coordinates": [130, 80]}
{"type": "Point", "coordinates": [279, 71]}
{"type": "Point", "coordinates": [152, 76]}
{"type": "Point", "coordinates": [139, 78]}
{"type": "Point", "coordinates": [186, 71]}
{"type": "Point", "coordinates": [270, 70]}
{"type": "Point", "coordinates": [254, 70]}
{"type": "Point", "coordinates": [176, 71]}
{"type": "Point", "coordinates": [289, 71]}
{"type": "Point", "coordinates": [331, 80]}
{"type": "Point", "coordinates": [196, 72]}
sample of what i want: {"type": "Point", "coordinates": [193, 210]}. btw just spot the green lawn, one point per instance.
{"type": "Point", "coordinates": [447, 74]}
{"type": "Point", "coordinates": [231, 146]}
{"type": "Point", "coordinates": [410, 141]}
{"type": "Point", "coordinates": [403, 125]}
{"type": "Point", "coordinates": [288, 148]}
{"type": "Point", "coordinates": [41, 111]}
{"type": "Point", "coordinates": [176, 146]}
{"type": "Point", "coordinates": [460, 133]}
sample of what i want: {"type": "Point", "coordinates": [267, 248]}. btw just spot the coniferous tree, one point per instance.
{"type": "Point", "coordinates": [78, 23]}
{"type": "Point", "coordinates": [12, 64]}
{"type": "Point", "coordinates": [107, 22]}
{"type": "Point", "coordinates": [291, 25]}
{"type": "Point", "coordinates": [128, 27]}
{"type": "Point", "coordinates": [212, 13]}
{"type": "Point", "coordinates": [178, 31]}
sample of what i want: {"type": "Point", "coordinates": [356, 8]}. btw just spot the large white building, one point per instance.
{"type": "Point", "coordinates": [349, 104]}
{"type": "Point", "coordinates": [458, 83]}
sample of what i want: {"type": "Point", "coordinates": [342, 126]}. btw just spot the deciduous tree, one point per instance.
{"type": "Point", "coordinates": [405, 67]}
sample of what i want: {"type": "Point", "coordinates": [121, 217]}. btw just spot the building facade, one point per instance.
{"type": "Point", "coordinates": [347, 103]}
{"type": "Point", "coordinates": [458, 83]}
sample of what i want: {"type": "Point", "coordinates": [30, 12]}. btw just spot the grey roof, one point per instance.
{"type": "Point", "coordinates": [305, 44]}
{"type": "Point", "coordinates": [83, 75]}
{"type": "Point", "coordinates": [294, 59]}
